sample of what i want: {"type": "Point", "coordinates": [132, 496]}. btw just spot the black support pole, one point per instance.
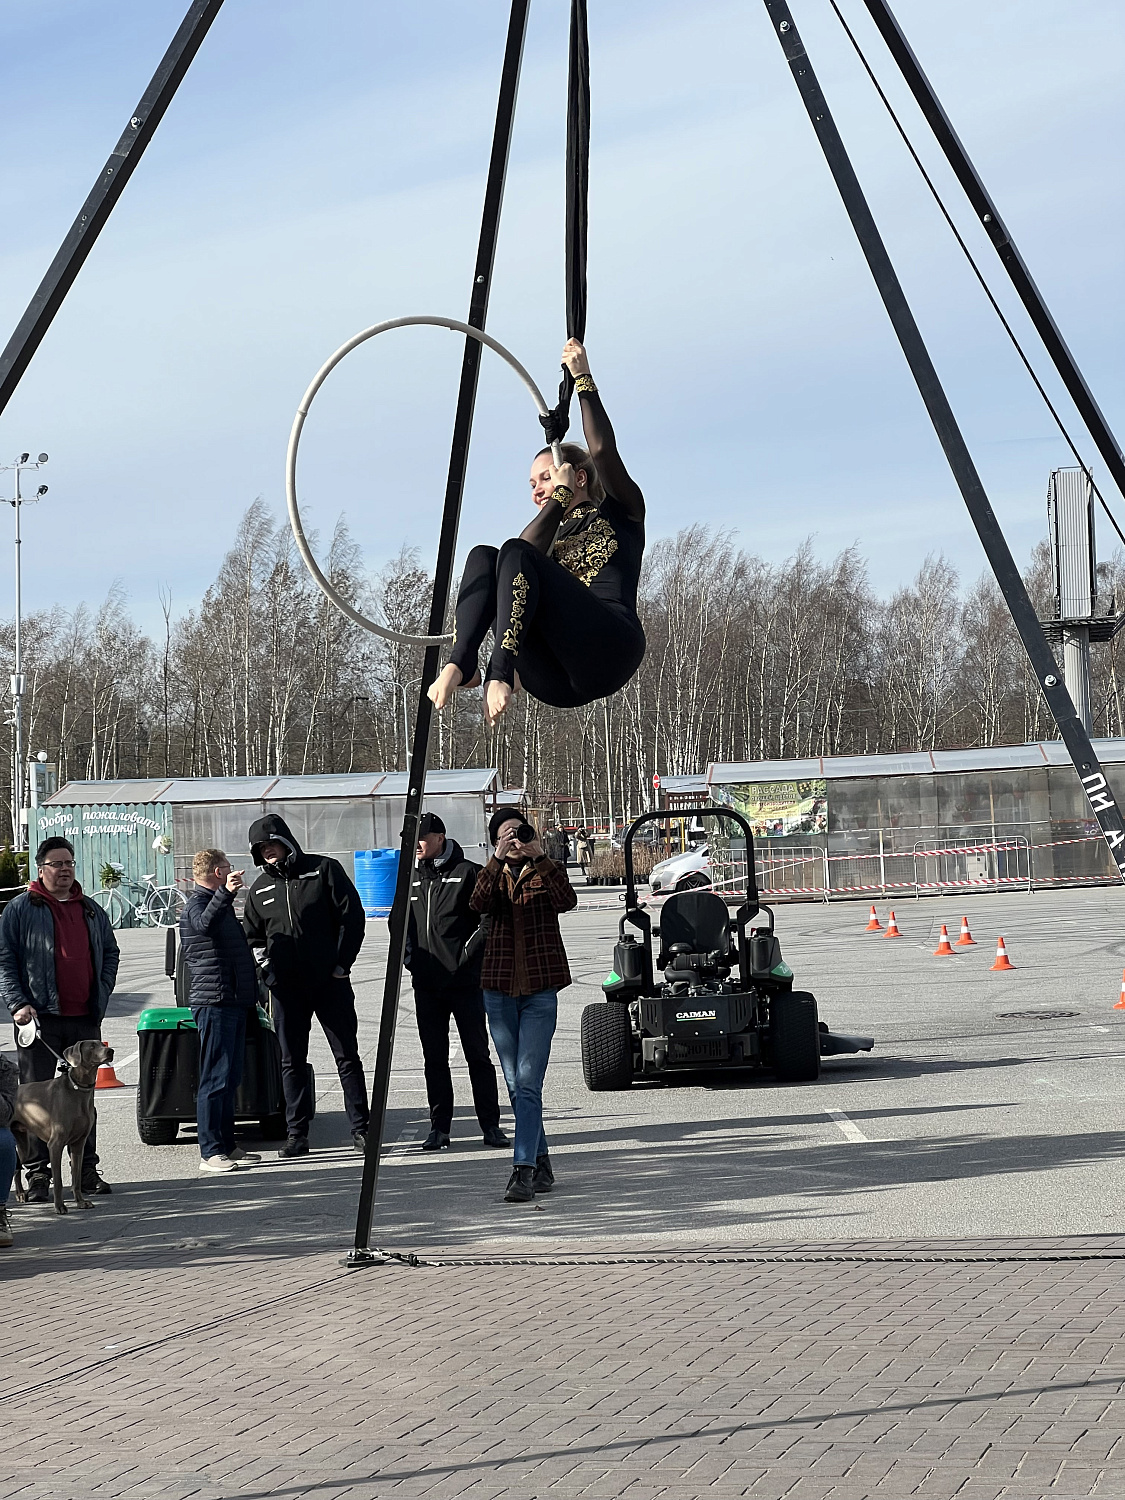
{"type": "Point", "coordinates": [977, 503]}
{"type": "Point", "coordinates": [362, 1254]}
{"type": "Point", "coordinates": [1013, 262]}
{"type": "Point", "coordinates": [103, 196]}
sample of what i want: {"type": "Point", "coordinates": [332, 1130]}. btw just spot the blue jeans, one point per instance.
{"type": "Point", "coordinates": [522, 1027]}
{"type": "Point", "coordinates": [7, 1163]}
{"type": "Point", "coordinates": [222, 1042]}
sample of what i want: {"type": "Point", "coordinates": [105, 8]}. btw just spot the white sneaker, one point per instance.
{"type": "Point", "coordinates": [217, 1164]}
{"type": "Point", "coordinates": [247, 1158]}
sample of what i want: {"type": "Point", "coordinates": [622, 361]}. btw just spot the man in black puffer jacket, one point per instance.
{"type": "Point", "coordinates": [444, 951]}
{"type": "Point", "coordinates": [224, 990]}
{"type": "Point", "coordinates": [304, 919]}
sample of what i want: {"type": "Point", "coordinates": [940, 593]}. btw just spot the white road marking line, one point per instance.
{"type": "Point", "coordinates": [126, 1062]}
{"type": "Point", "coordinates": [406, 1139]}
{"type": "Point", "coordinates": [847, 1127]}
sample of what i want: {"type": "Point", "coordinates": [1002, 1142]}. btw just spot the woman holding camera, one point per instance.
{"type": "Point", "coordinates": [525, 966]}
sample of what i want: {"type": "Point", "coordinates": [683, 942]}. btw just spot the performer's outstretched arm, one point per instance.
{"type": "Point", "coordinates": [600, 438]}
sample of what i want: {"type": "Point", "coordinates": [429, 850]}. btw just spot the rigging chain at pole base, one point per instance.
{"type": "Point", "coordinates": [420, 320]}
{"type": "Point", "coordinates": [361, 1260]}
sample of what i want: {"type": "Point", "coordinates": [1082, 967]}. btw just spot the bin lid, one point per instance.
{"type": "Point", "coordinates": [166, 1018]}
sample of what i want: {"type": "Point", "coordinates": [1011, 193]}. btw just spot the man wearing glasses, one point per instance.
{"type": "Point", "coordinates": [58, 963]}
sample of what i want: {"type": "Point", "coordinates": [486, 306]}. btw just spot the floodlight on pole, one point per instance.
{"type": "Point", "coordinates": [16, 681]}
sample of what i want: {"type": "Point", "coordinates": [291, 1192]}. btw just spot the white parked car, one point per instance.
{"type": "Point", "coordinates": [682, 871]}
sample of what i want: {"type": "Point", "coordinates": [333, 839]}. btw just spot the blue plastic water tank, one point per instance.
{"type": "Point", "coordinates": [376, 871]}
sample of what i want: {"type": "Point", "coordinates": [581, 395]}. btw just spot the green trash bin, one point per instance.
{"type": "Point", "coordinates": [168, 1044]}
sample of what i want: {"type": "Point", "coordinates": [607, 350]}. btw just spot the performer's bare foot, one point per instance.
{"type": "Point", "coordinates": [446, 684]}
{"type": "Point", "coordinates": [497, 696]}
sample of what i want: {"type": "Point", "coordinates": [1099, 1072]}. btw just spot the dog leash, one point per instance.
{"type": "Point", "coordinates": [37, 1036]}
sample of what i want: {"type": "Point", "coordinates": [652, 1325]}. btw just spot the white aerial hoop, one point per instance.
{"type": "Point", "coordinates": [295, 437]}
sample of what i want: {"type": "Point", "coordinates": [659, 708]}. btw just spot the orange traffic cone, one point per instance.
{"type": "Point", "coordinates": [892, 927]}
{"type": "Point", "coordinates": [107, 1078]}
{"type": "Point", "coordinates": [1121, 1003]}
{"type": "Point", "coordinates": [1002, 960]}
{"type": "Point", "coordinates": [943, 949]}
{"type": "Point", "coordinates": [966, 940]}
{"type": "Point", "coordinates": [873, 925]}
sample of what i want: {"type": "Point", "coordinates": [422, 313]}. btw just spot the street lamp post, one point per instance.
{"type": "Point", "coordinates": [16, 682]}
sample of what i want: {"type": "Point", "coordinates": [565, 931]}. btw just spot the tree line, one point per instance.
{"type": "Point", "coordinates": [747, 660]}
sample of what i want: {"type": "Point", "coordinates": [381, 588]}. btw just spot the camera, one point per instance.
{"type": "Point", "coordinates": [525, 833]}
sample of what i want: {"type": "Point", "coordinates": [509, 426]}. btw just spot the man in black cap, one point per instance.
{"type": "Point", "coordinates": [444, 952]}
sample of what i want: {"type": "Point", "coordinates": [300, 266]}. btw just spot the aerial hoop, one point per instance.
{"type": "Point", "coordinates": [295, 438]}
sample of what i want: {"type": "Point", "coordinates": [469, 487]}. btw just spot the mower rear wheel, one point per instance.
{"type": "Point", "coordinates": [607, 1046]}
{"type": "Point", "coordinates": [794, 1038]}
{"type": "Point", "coordinates": [156, 1132]}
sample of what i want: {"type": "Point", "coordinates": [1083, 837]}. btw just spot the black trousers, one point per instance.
{"type": "Point", "coordinates": [36, 1065]}
{"type": "Point", "coordinates": [568, 645]}
{"type": "Point", "coordinates": [332, 1002]}
{"type": "Point", "coordinates": [433, 1009]}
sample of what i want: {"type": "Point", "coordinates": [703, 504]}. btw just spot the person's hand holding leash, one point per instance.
{"type": "Point", "coordinates": [23, 1015]}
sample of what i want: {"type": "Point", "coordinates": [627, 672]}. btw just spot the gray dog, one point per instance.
{"type": "Point", "coordinates": [61, 1113]}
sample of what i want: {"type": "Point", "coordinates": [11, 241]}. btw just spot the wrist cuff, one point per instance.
{"type": "Point", "coordinates": [584, 385]}
{"type": "Point", "coordinates": [563, 494]}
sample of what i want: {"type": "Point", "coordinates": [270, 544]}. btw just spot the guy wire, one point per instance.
{"type": "Point", "coordinates": [1008, 329]}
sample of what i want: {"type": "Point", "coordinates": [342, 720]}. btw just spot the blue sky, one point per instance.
{"type": "Point", "coordinates": [322, 168]}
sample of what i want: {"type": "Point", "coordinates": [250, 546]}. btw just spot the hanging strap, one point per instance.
{"type": "Point", "coordinates": [556, 422]}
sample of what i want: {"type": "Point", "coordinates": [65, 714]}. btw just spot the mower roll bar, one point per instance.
{"type": "Point", "coordinates": [636, 916]}
{"type": "Point", "coordinates": [665, 816]}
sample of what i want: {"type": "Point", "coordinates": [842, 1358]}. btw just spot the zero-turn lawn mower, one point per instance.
{"type": "Point", "coordinates": [726, 999]}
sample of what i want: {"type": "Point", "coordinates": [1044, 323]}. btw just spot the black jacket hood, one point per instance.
{"type": "Point", "coordinates": [265, 831]}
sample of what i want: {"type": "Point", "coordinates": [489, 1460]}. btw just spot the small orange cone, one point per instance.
{"type": "Point", "coordinates": [1121, 1003]}
{"type": "Point", "coordinates": [892, 927]}
{"type": "Point", "coordinates": [107, 1078]}
{"type": "Point", "coordinates": [873, 925]}
{"type": "Point", "coordinates": [943, 949]}
{"type": "Point", "coordinates": [966, 940]}
{"type": "Point", "coordinates": [1002, 960]}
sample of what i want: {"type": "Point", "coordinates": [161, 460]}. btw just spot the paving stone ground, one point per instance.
{"type": "Point", "coordinates": [820, 1372]}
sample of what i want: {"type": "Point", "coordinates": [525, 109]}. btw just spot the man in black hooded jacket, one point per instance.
{"type": "Point", "coordinates": [305, 922]}
{"type": "Point", "coordinates": [444, 952]}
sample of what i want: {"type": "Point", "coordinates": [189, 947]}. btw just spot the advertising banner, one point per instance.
{"type": "Point", "coordinates": [777, 808]}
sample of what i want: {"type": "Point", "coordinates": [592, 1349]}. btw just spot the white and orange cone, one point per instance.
{"type": "Point", "coordinates": [892, 927]}
{"type": "Point", "coordinates": [943, 949]}
{"type": "Point", "coordinates": [966, 940]}
{"type": "Point", "coordinates": [107, 1078]}
{"type": "Point", "coordinates": [1002, 960]}
{"type": "Point", "coordinates": [873, 923]}
{"type": "Point", "coordinates": [1121, 1003]}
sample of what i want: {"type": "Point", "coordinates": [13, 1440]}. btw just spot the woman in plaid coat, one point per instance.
{"type": "Point", "coordinates": [523, 892]}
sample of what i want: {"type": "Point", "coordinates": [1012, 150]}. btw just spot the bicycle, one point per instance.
{"type": "Point", "coordinates": [157, 906]}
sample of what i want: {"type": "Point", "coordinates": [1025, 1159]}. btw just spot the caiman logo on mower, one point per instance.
{"type": "Point", "coordinates": [696, 1015]}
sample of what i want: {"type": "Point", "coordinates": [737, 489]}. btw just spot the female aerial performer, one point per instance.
{"type": "Point", "coordinates": [561, 598]}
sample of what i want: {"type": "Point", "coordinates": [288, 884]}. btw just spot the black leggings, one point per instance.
{"type": "Point", "coordinates": [568, 646]}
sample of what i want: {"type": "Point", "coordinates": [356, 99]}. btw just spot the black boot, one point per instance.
{"type": "Point", "coordinates": [544, 1179]}
{"type": "Point", "coordinates": [437, 1140]}
{"type": "Point", "coordinates": [520, 1189]}
{"type": "Point", "coordinates": [494, 1136]}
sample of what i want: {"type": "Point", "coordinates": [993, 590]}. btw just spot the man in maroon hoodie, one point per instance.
{"type": "Point", "coordinates": [58, 962]}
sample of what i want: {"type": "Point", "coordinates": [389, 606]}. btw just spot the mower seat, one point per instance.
{"type": "Point", "coordinates": [695, 934]}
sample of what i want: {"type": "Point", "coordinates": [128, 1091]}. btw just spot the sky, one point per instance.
{"type": "Point", "coordinates": [322, 167]}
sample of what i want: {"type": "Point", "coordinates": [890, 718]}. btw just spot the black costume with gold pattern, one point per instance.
{"type": "Point", "coordinates": [566, 622]}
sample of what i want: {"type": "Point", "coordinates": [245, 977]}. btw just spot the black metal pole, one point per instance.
{"type": "Point", "coordinates": [103, 196]}
{"type": "Point", "coordinates": [443, 575]}
{"type": "Point", "coordinates": [994, 226]}
{"type": "Point", "coordinates": [977, 503]}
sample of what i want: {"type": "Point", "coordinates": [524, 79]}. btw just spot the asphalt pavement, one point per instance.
{"type": "Point", "coordinates": [990, 1106]}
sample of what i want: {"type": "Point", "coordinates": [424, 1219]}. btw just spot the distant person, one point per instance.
{"type": "Point", "coordinates": [444, 953]}
{"type": "Point", "coordinates": [58, 965]}
{"type": "Point", "coordinates": [525, 966]}
{"type": "Point", "coordinates": [305, 920]}
{"type": "Point", "coordinates": [223, 990]}
{"type": "Point", "coordinates": [583, 848]}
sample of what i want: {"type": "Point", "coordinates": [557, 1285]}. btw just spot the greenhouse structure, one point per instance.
{"type": "Point", "coordinates": [1006, 817]}
{"type": "Point", "coordinates": [151, 828]}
